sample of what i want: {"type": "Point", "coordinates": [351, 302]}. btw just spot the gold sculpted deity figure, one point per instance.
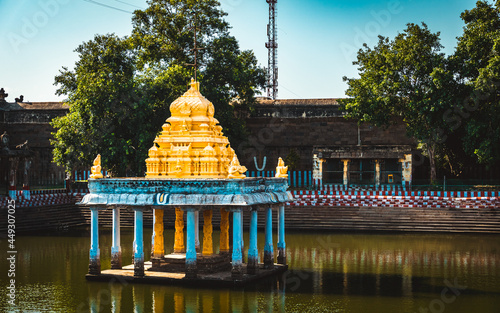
{"type": "Point", "coordinates": [235, 169]}
{"type": "Point", "coordinates": [281, 169]}
{"type": "Point", "coordinates": [96, 169]}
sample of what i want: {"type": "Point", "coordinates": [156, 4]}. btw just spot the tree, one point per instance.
{"type": "Point", "coordinates": [105, 106]}
{"type": "Point", "coordinates": [120, 89]}
{"type": "Point", "coordinates": [476, 63]}
{"type": "Point", "coordinates": [401, 80]}
{"type": "Point", "coordinates": [164, 36]}
{"type": "Point", "coordinates": [292, 159]}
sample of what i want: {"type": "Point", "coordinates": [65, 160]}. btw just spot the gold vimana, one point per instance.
{"type": "Point", "coordinates": [191, 144]}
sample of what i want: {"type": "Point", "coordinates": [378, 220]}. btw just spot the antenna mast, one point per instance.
{"type": "Point", "coordinates": [195, 49]}
{"type": "Point", "coordinates": [272, 47]}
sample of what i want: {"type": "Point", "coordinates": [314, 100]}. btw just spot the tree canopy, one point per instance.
{"type": "Point", "coordinates": [476, 63]}
{"type": "Point", "coordinates": [398, 83]}
{"type": "Point", "coordinates": [450, 104]}
{"type": "Point", "coordinates": [120, 89]}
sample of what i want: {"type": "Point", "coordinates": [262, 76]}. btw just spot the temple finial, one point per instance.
{"type": "Point", "coordinates": [194, 84]}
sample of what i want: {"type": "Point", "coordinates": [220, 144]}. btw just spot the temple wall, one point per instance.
{"type": "Point", "coordinates": [276, 130]}
{"type": "Point", "coordinates": [32, 124]}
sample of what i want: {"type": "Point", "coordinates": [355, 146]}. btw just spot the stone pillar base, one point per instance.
{"type": "Point", "coordinates": [242, 255]}
{"type": "Point", "coordinates": [191, 271]}
{"type": "Point", "coordinates": [237, 272]}
{"type": "Point", "coordinates": [138, 268]}
{"type": "Point", "coordinates": [95, 267]}
{"type": "Point", "coordinates": [281, 256]}
{"type": "Point", "coordinates": [268, 259]}
{"type": "Point", "coordinates": [252, 266]}
{"type": "Point", "coordinates": [116, 260]}
{"type": "Point", "coordinates": [155, 262]}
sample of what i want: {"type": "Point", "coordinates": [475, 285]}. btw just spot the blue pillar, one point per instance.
{"type": "Point", "coordinates": [191, 268]}
{"type": "Point", "coordinates": [242, 240]}
{"type": "Point", "coordinates": [138, 243]}
{"type": "Point", "coordinates": [94, 259]}
{"type": "Point", "coordinates": [253, 252]}
{"type": "Point", "coordinates": [268, 247]}
{"type": "Point", "coordinates": [197, 230]}
{"type": "Point", "coordinates": [281, 235]}
{"type": "Point", "coordinates": [116, 250]}
{"type": "Point", "coordinates": [154, 232]}
{"type": "Point", "coordinates": [237, 260]}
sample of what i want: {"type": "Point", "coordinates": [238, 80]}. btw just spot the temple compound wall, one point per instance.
{"type": "Point", "coordinates": [315, 130]}
{"type": "Point", "coordinates": [322, 139]}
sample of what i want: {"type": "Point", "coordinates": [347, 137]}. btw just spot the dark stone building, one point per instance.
{"type": "Point", "coordinates": [338, 150]}
{"type": "Point", "coordinates": [28, 129]}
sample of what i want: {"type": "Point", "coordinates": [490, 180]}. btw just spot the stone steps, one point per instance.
{"type": "Point", "coordinates": [320, 218]}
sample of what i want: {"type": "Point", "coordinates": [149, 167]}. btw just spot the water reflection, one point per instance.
{"type": "Point", "coordinates": [162, 299]}
{"type": "Point", "coordinates": [328, 273]}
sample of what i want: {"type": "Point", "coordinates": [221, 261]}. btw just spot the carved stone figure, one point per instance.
{"type": "Point", "coordinates": [23, 146]}
{"type": "Point", "coordinates": [281, 169]}
{"type": "Point", "coordinates": [3, 95]}
{"type": "Point", "coordinates": [96, 169]}
{"type": "Point", "coordinates": [5, 140]}
{"type": "Point", "coordinates": [236, 170]}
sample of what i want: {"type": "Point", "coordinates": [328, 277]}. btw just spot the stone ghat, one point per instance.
{"type": "Point", "coordinates": [41, 199]}
{"type": "Point", "coordinates": [393, 219]}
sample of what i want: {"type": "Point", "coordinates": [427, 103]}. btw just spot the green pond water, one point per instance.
{"type": "Point", "coordinates": [329, 272]}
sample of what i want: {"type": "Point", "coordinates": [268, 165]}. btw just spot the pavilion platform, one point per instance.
{"type": "Point", "coordinates": [218, 279]}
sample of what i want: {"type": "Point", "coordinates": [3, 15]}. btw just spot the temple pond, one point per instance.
{"type": "Point", "coordinates": [329, 272]}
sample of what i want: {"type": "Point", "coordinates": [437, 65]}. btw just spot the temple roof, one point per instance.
{"type": "Point", "coordinates": [191, 144]}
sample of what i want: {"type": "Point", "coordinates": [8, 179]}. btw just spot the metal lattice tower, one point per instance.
{"type": "Point", "coordinates": [272, 47]}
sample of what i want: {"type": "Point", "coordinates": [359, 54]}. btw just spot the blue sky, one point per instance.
{"type": "Point", "coordinates": [318, 39]}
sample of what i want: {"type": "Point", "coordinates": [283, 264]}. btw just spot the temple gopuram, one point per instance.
{"type": "Point", "coordinates": [191, 171]}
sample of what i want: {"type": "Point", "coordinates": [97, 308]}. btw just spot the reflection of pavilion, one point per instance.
{"type": "Point", "coordinates": [191, 168]}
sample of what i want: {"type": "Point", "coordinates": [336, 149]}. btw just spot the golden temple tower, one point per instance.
{"type": "Point", "coordinates": [192, 144]}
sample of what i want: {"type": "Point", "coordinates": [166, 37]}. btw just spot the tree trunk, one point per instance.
{"type": "Point", "coordinates": [431, 149]}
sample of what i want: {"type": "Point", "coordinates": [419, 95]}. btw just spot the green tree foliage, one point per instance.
{"type": "Point", "coordinates": [292, 159]}
{"type": "Point", "coordinates": [402, 80]}
{"type": "Point", "coordinates": [476, 63]}
{"type": "Point", "coordinates": [120, 89]}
